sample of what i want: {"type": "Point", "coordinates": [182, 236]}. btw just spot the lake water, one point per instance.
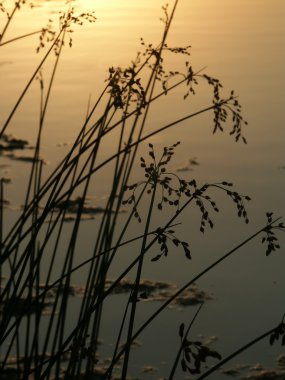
{"type": "Point", "coordinates": [242, 44]}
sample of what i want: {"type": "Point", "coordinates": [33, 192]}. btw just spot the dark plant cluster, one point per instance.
{"type": "Point", "coordinates": [17, 5]}
{"type": "Point", "coordinates": [69, 18]}
{"type": "Point", "coordinates": [163, 237]}
{"type": "Point", "coordinates": [125, 87]}
{"type": "Point", "coordinates": [173, 188]}
{"type": "Point", "coordinates": [156, 66]}
{"type": "Point", "coordinates": [152, 51]}
{"type": "Point", "coordinates": [47, 35]}
{"type": "Point", "coordinates": [277, 333]}
{"type": "Point", "coordinates": [189, 77]}
{"type": "Point", "coordinates": [3, 9]}
{"type": "Point", "coordinates": [191, 190]}
{"type": "Point", "coordinates": [165, 18]}
{"type": "Point", "coordinates": [155, 174]}
{"type": "Point", "coordinates": [9, 13]}
{"type": "Point", "coordinates": [22, 2]}
{"type": "Point", "coordinates": [224, 107]}
{"type": "Point", "coordinates": [194, 353]}
{"type": "Point", "coordinates": [161, 75]}
{"type": "Point", "coordinates": [270, 237]}
{"type": "Point", "coordinates": [238, 121]}
{"type": "Point", "coordinates": [237, 198]}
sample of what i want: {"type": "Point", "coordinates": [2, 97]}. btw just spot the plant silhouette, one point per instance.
{"type": "Point", "coordinates": [39, 326]}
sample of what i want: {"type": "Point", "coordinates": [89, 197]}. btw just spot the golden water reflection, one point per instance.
{"type": "Point", "coordinates": [242, 43]}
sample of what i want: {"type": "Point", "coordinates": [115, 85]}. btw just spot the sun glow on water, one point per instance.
{"type": "Point", "coordinates": [245, 52]}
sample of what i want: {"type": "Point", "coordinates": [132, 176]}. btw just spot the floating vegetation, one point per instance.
{"type": "Point", "coordinates": [230, 372]}
{"type": "Point", "coordinates": [30, 159]}
{"type": "Point", "coordinates": [23, 306]}
{"type": "Point", "coordinates": [256, 371]}
{"type": "Point", "coordinates": [192, 296]}
{"type": "Point", "coordinates": [72, 207]}
{"type": "Point", "coordinates": [58, 290]}
{"type": "Point", "coordinates": [2, 63]}
{"type": "Point", "coordinates": [9, 142]}
{"type": "Point", "coordinates": [161, 291]}
{"type": "Point", "coordinates": [10, 145]}
{"type": "Point", "coordinates": [5, 202]}
{"type": "Point", "coordinates": [148, 291]}
{"type": "Point", "coordinates": [266, 374]}
{"type": "Point", "coordinates": [189, 167]}
{"type": "Point", "coordinates": [281, 360]}
{"type": "Point", "coordinates": [207, 340]}
{"type": "Point", "coordinates": [149, 369]}
{"type": "Point", "coordinates": [6, 180]}
{"type": "Point", "coordinates": [64, 144]}
{"type": "Point", "coordinates": [146, 286]}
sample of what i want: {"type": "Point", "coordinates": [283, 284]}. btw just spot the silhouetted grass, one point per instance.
{"type": "Point", "coordinates": [43, 343]}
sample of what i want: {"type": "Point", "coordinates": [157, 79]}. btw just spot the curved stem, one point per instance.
{"type": "Point", "coordinates": [182, 343]}
{"type": "Point", "coordinates": [18, 102]}
{"type": "Point", "coordinates": [237, 352]}
{"type": "Point", "coordinates": [19, 37]}
{"type": "Point", "coordinates": [175, 295]}
{"type": "Point", "coordinates": [134, 293]}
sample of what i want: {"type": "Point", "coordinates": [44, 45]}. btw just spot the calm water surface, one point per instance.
{"type": "Point", "coordinates": [241, 43]}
